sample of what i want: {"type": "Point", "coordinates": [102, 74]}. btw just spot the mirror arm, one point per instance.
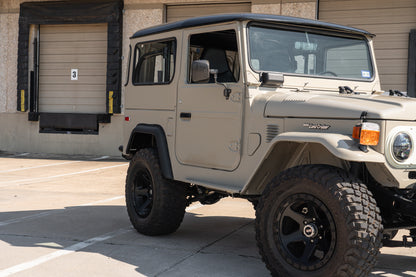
{"type": "Point", "coordinates": [227, 91]}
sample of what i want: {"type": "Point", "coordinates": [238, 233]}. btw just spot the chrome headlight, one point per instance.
{"type": "Point", "coordinates": [402, 147]}
{"type": "Point", "coordinates": [399, 147]}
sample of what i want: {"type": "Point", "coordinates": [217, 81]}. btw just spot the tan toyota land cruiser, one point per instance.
{"type": "Point", "coordinates": [284, 112]}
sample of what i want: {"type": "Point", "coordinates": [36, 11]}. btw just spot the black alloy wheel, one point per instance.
{"type": "Point", "coordinates": [143, 193]}
{"type": "Point", "coordinates": [305, 235]}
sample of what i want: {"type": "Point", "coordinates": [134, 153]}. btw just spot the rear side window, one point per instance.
{"type": "Point", "coordinates": [154, 62]}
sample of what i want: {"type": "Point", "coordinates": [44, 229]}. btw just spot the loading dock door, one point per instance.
{"type": "Point", "coordinates": [72, 68]}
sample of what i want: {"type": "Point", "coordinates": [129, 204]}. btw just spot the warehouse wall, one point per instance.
{"type": "Point", "coordinates": [9, 26]}
{"type": "Point", "coordinates": [20, 135]}
{"type": "Point", "coordinates": [391, 21]}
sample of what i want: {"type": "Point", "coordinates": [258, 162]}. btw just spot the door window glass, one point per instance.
{"type": "Point", "coordinates": [220, 49]}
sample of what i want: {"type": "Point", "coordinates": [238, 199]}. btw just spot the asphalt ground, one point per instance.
{"type": "Point", "coordinates": [66, 216]}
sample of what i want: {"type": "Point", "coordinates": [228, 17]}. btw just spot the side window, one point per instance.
{"type": "Point", "coordinates": [220, 49]}
{"type": "Point", "coordinates": [154, 62]}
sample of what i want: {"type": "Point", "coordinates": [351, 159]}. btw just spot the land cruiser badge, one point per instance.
{"type": "Point", "coordinates": [316, 126]}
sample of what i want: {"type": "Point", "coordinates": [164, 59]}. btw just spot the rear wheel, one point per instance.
{"type": "Point", "coordinates": [156, 206]}
{"type": "Point", "coordinates": [318, 221]}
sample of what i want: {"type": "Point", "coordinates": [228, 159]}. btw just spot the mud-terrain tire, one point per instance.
{"type": "Point", "coordinates": [317, 220]}
{"type": "Point", "coordinates": [156, 206]}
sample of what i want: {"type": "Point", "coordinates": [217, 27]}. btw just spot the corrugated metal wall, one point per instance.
{"type": "Point", "coordinates": [73, 46]}
{"type": "Point", "coordinates": [390, 20]}
{"type": "Point", "coordinates": [179, 12]}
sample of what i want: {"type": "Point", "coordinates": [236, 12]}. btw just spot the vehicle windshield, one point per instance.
{"type": "Point", "coordinates": [300, 52]}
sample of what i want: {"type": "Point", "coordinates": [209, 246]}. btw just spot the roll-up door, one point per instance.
{"type": "Point", "coordinates": [73, 68]}
{"type": "Point", "coordinates": [179, 12]}
{"type": "Point", "coordinates": [390, 20]}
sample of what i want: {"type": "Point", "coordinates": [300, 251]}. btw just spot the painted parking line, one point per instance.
{"type": "Point", "coordinates": [389, 274]}
{"type": "Point", "coordinates": [20, 219]}
{"type": "Point", "coordinates": [41, 179]}
{"type": "Point", "coordinates": [73, 248]}
{"type": "Point", "coordinates": [42, 214]}
{"type": "Point", "coordinates": [53, 164]}
{"type": "Point", "coordinates": [68, 250]}
{"type": "Point", "coordinates": [22, 154]}
{"type": "Point", "coordinates": [39, 166]}
{"type": "Point", "coordinates": [100, 158]}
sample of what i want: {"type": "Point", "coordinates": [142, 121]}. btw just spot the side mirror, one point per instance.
{"type": "Point", "coordinates": [200, 71]}
{"type": "Point", "coordinates": [271, 79]}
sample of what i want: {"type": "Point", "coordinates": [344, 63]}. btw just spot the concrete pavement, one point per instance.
{"type": "Point", "coordinates": [65, 216]}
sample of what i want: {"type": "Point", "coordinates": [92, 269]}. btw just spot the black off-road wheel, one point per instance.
{"type": "Point", "coordinates": [156, 206]}
{"type": "Point", "coordinates": [316, 220]}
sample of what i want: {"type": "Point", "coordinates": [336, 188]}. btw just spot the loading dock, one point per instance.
{"type": "Point", "coordinates": [76, 68]}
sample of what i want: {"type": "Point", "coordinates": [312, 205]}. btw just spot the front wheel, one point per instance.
{"type": "Point", "coordinates": [316, 220]}
{"type": "Point", "coordinates": [156, 206]}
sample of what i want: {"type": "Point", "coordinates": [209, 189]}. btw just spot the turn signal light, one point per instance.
{"type": "Point", "coordinates": [356, 131]}
{"type": "Point", "coordinates": [367, 132]}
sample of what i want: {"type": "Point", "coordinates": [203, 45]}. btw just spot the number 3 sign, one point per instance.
{"type": "Point", "coordinates": [74, 74]}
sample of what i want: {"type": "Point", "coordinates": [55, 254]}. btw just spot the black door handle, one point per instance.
{"type": "Point", "coordinates": [186, 115]}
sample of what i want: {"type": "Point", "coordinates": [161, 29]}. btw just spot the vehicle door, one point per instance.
{"type": "Point", "coordinates": [209, 123]}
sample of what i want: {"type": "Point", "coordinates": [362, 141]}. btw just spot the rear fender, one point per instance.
{"type": "Point", "coordinates": [149, 135]}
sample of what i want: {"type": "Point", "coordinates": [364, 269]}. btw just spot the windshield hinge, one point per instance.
{"type": "Point", "coordinates": [397, 92]}
{"type": "Point", "coordinates": [347, 90]}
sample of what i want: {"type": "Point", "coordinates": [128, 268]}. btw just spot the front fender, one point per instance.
{"type": "Point", "coordinates": [341, 146]}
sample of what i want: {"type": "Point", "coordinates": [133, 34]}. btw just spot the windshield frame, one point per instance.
{"type": "Point", "coordinates": [317, 31]}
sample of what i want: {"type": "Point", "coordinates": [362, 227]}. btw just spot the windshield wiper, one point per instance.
{"type": "Point", "coordinates": [346, 90]}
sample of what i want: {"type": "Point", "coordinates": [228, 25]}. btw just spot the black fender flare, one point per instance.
{"type": "Point", "coordinates": [161, 143]}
